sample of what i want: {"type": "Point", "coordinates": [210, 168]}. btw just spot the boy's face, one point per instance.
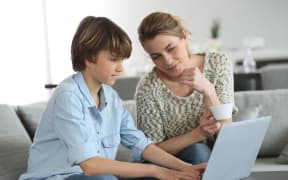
{"type": "Point", "coordinates": [105, 69]}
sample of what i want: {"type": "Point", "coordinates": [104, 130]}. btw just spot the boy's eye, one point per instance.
{"type": "Point", "coordinates": [116, 59]}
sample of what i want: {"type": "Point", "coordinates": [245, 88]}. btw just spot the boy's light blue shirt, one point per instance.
{"type": "Point", "coordinates": [73, 129]}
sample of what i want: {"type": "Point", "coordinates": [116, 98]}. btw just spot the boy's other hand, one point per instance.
{"type": "Point", "coordinates": [169, 174]}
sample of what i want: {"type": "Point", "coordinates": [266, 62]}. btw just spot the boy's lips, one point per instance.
{"type": "Point", "coordinates": [115, 76]}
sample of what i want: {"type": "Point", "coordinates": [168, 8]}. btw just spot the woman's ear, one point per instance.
{"type": "Point", "coordinates": [186, 35]}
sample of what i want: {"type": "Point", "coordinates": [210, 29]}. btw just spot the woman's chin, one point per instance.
{"type": "Point", "coordinates": [177, 73]}
{"type": "Point", "coordinates": [174, 75]}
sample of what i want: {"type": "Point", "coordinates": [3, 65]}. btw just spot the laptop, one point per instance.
{"type": "Point", "coordinates": [236, 148]}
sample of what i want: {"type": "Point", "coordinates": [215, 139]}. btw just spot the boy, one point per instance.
{"type": "Point", "coordinates": [85, 121]}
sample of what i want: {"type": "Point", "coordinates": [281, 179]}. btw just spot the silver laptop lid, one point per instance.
{"type": "Point", "coordinates": [236, 148]}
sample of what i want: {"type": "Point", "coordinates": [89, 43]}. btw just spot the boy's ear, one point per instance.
{"type": "Point", "coordinates": [89, 60]}
{"type": "Point", "coordinates": [86, 61]}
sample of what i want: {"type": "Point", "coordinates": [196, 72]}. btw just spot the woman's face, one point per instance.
{"type": "Point", "coordinates": [169, 53]}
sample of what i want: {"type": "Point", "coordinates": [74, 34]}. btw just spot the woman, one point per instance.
{"type": "Point", "coordinates": [173, 100]}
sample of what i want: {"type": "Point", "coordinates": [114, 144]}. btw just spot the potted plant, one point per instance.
{"type": "Point", "coordinates": [214, 43]}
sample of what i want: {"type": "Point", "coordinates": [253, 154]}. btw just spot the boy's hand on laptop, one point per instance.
{"type": "Point", "coordinates": [208, 124]}
{"type": "Point", "coordinates": [169, 174]}
{"type": "Point", "coordinates": [200, 168]}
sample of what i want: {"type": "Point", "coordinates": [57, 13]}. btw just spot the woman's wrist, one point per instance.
{"type": "Point", "coordinates": [210, 96]}
{"type": "Point", "coordinates": [197, 134]}
{"type": "Point", "coordinates": [209, 90]}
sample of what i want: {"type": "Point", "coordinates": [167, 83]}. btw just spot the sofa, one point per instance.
{"type": "Point", "coordinates": [18, 124]}
{"type": "Point", "coordinates": [274, 76]}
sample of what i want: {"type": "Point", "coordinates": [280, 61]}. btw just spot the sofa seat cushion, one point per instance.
{"type": "Point", "coordinates": [14, 144]}
{"type": "Point", "coordinates": [267, 103]}
{"type": "Point", "coordinates": [31, 115]}
{"type": "Point", "coordinates": [268, 164]}
{"type": "Point", "coordinates": [283, 157]}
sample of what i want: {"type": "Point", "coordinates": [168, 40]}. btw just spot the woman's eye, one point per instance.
{"type": "Point", "coordinates": [155, 57]}
{"type": "Point", "coordinates": [171, 49]}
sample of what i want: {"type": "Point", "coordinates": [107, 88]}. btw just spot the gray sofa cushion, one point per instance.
{"type": "Point", "coordinates": [31, 115]}
{"type": "Point", "coordinates": [283, 157]}
{"type": "Point", "coordinates": [268, 164]}
{"type": "Point", "coordinates": [275, 76]}
{"type": "Point", "coordinates": [273, 103]}
{"type": "Point", "coordinates": [14, 144]}
{"type": "Point", "coordinates": [126, 87]}
{"type": "Point", "coordinates": [124, 154]}
{"type": "Point", "coordinates": [131, 107]}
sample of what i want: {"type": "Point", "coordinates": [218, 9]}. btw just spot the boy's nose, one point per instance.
{"type": "Point", "coordinates": [120, 67]}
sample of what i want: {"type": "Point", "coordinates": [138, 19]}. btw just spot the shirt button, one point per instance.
{"type": "Point", "coordinates": [98, 132]}
{"type": "Point", "coordinates": [98, 151]}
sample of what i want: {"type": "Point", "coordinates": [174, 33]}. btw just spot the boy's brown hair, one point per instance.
{"type": "Point", "coordinates": [95, 34]}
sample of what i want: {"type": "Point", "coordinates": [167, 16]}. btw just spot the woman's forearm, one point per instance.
{"type": "Point", "coordinates": [210, 97]}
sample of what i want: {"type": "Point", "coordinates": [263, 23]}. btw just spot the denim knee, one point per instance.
{"type": "Point", "coordinates": [195, 153]}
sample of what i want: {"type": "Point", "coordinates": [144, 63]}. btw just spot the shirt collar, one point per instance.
{"type": "Point", "coordinates": [79, 79]}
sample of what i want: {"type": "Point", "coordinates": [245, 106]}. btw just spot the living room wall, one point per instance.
{"type": "Point", "coordinates": [25, 58]}
{"type": "Point", "coordinates": [240, 19]}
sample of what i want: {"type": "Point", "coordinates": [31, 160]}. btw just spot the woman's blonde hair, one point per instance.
{"type": "Point", "coordinates": [161, 23]}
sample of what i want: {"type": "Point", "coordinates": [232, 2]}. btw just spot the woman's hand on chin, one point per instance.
{"type": "Point", "coordinates": [195, 78]}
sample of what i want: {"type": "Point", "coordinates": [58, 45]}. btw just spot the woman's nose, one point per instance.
{"type": "Point", "coordinates": [167, 59]}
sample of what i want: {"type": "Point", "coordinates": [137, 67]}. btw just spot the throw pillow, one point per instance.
{"type": "Point", "coordinates": [31, 116]}
{"type": "Point", "coordinates": [283, 157]}
{"type": "Point", "coordinates": [273, 103]}
{"type": "Point", "coordinates": [249, 113]}
{"type": "Point", "coordinates": [14, 144]}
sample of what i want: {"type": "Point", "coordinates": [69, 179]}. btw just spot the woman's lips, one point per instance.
{"type": "Point", "coordinates": [172, 68]}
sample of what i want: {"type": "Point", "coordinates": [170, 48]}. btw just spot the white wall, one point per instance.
{"type": "Point", "coordinates": [23, 57]}
{"type": "Point", "coordinates": [239, 19]}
